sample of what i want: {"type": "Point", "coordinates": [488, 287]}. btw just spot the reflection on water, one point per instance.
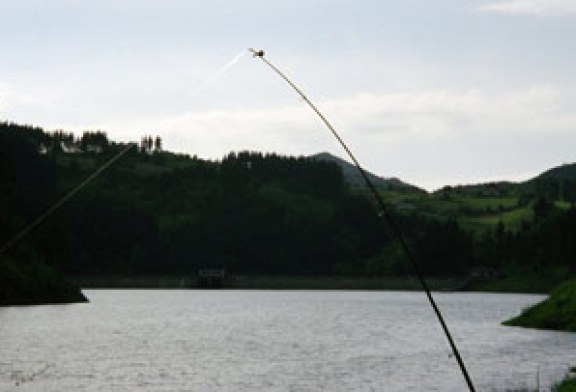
{"type": "Point", "coordinates": [274, 341]}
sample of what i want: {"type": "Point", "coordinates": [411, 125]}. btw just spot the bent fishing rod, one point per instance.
{"type": "Point", "coordinates": [395, 228]}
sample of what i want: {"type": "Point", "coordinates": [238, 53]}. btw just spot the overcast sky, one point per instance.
{"type": "Point", "coordinates": [434, 92]}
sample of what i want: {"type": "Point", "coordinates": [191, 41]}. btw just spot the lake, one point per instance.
{"type": "Point", "coordinates": [192, 340]}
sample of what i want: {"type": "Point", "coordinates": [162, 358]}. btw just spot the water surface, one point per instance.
{"type": "Point", "coordinates": [189, 340]}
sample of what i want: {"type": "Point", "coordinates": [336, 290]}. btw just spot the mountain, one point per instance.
{"type": "Point", "coordinates": [565, 172]}
{"type": "Point", "coordinates": [556, 183]}
{"type": "Point", "coordinates": [353, 177]}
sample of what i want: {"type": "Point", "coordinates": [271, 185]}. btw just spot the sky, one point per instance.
{"type": "Point", "coordinates": [436, 93]}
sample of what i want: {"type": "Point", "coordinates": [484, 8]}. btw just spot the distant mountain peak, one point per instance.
{"type": "Point", "coordinates": [353, 177]}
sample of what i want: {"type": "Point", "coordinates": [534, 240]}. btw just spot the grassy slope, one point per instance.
{"type": "Point", "coordinates": [511, 219]}
{"type": "Point", "coordinates": [475, 213]}
{"type": "Point", "coordinates": [566, 386]}
{"type": "Point", "coordinates": [557, 312]}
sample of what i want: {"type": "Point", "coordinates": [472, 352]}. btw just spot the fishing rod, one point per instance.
{"type": "Point", "coordinates": [32, 225]}
{"type": "Point", "coordinates": [385, 212]}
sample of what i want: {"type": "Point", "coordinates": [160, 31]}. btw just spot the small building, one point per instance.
{"type": "Point", "coordinates": [43, 149]}
{"type": "Point", "coordinates": [70, 148]}
{"type": "Point", "coordinates": [212, 278]}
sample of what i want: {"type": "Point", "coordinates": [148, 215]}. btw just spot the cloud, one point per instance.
{"type": "Point", "coordinates": [532, 7]}
{"type": "Point", "coordinates": [430, 138]}
{"type": "Point", "coordinates": [14, 104]}
{"type": "Point", "coordinates": [365, 120]}
{"type": "Point", "coordinates": [445, 112]}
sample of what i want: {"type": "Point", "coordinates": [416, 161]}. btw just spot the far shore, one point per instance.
{"type": "Point", "coordinates": [270, 282]}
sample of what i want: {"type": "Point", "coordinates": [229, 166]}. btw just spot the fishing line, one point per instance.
{"type": "Point", "coordinates": [218, 74]}
{"type": "Point", "coordinates": [205, 84]}
{"type": "Point", "coordinates": [386, 212]}
{"type": "Point", "coordinates": [63, 200]}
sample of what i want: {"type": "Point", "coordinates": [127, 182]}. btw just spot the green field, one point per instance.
{"type": "Point", "coordinates": [512, 220]}
{"type": "Point", "coordinates": [474, 213]}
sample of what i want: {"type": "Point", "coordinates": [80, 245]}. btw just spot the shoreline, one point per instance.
{"type": "Point", "coordinates": [260, 282]}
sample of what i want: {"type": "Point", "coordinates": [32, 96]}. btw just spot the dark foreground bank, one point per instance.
{"type": "Point", "coordinates": [557, 312]}
{"type": "Point", "coordinates": [34, 284]}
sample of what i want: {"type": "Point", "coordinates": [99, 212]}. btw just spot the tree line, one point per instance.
{"type": "Point", "coordinates": [250, 213]}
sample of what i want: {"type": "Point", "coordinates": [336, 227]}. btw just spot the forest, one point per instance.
{"type": "Point", "coordinates": [157, 212]}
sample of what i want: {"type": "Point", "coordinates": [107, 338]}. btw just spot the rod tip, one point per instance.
{"type": "Point", "coordinates": [257, 53]}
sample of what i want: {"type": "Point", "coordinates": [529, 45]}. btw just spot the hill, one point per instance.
{"type": "Point", "coordinates": [158, 213]}
{"type": "Point", "coordinates": [354, 178]}
{"type": "Point", "coordinates": [558, 183]}
{"type": "Point", "coordinates": [155, 212]}
{"type": "Point", "coordinates": [565, 172]}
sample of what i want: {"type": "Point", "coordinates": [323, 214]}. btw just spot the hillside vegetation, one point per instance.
{"type": "Point", "coordinates": [155, 212]}
{"type": "Point", "coordinates": [33, 283]}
